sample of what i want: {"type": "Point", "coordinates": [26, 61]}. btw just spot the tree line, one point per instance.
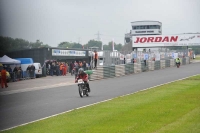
{"type": "Point", "coordinates": [8, 44]}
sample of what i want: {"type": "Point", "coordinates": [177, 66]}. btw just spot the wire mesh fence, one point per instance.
{"type": "Point", "coordinates": [109, 58]}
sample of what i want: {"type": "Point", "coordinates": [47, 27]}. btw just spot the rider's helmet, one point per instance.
{"type": "Point", "coordinates": [80, 71]}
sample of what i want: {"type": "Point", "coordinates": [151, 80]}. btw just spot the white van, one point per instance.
{"type": "Point", "coordinates": [38, 69]}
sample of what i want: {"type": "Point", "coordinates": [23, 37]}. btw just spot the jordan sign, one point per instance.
{"type": "Point", "coordinates": [166, 40]}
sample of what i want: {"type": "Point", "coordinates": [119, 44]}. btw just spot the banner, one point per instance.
{"type": "Point", "coordinates": [166, 40]}
{"type": "Point", "coordinates": [157, 56]}
{"type": "Point", "coordinates": [146, 56]}
{"type": "Point", "coordinates": [58, 52]}
{"type": "Point", "coordinates": [174, 55]}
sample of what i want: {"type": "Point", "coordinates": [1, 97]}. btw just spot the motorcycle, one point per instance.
{"type": "Point", "coordinates": [83, 90]}
{"type": "Point", "coordinates": [177, 65]}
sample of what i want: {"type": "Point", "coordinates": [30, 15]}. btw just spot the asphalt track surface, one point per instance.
{"type": "Point", "coordinates": [38, 102]}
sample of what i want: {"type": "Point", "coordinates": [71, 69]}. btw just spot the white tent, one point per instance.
{"type": "Point", "coordinates": [7, 60]}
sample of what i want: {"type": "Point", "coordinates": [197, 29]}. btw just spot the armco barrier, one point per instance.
{"type": "Point", "coordinates": [144, 67]}
{"type": "Point", "coordinates": [131, 66]}
{"type": "Point", "coordinates": [106, 72]}
{"type": "Point", "coordinates": [162, 64]}
{"type": "Point", "coordinates": [112, 71]}
{"type": "Point", "coordinates": [151, 65]}
{"type": "Point", "coordinates": [137, 68]}
{"type": "Point", "coordinates": [103, 72]}
{"type": "Point", "coordinates": [157, 65]}
{"type": "Point", "coordinates": [167, 63]}
{"type": "Point", "coordinates": [172, 62]}
{"type": "Point", "coordinates": [184, 61]}
{"type": "Point", "coordinates": [119, 70]}
{"type": "Point", "coordinates": [127, 69]}
{"type": "Point", "coordinates": [187, 60]}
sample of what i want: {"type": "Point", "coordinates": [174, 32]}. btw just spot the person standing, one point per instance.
{"type": "Point", "coordinates": [95, 58]}
{"type": "Point", "coordinates": [15, 73]}
{"type": "Point", "coordinates": [32, 74]}
{"type": "Point", "coordinates": [61, 67]}
{"type": "Point", "coordinates": [71, 68]}
{"type": "Point", "coordinates": [76, 67]}
{"type": "Point", "coordinates": [3, 78]}
{"type": "Point", "coordinates": [80, 64]}
{"type": "Point", "coordinates": [84, 65]}
{"type": "Point", "coordinates": [57, 69]}
{"type": "Point", "coordinates": [28, 70]}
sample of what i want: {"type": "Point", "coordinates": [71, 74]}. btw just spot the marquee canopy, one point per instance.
{"type": "Point", "coordinates": [7, 60]}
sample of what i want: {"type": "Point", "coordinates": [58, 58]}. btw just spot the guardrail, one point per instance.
{"type": "Point", "coordinates": [103, 72]}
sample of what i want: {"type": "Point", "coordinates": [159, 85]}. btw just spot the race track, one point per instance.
{"type": "Point", "coordinates": [24, 107]}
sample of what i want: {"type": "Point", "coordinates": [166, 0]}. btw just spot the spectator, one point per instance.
{"type": "Point", "coordinates": [61, 67]}
{"type": "Point", "coordinates": [71, 66]}
{"type": "Point", "coordinates": [15, 70]}
{"type": "Point", "coordinates": [80, 64]}
{"type": "Point", "coordinates": [9, 70]}
{"type": "Point", "coordinates": [32, 71]}
{"type": "Point", "coordinates": [54, 68]}
{"type": "Point", "coordinates": [84, 65]}
{"type": "Point", "coordinates": [67, 68]}
{"type": "Point", "coordinates": [20, 73]}
{"type": "Point", "coordinates": [3, 78]}
{"type": "Point", "coordinates": [51, 68]}
{"type": "Point", "coordinates": [57, 69]}
{"type": "Point", "coordinates": [28, 70]}
{"type": "Point", "coordinates": [95, 58]}
{"type": "Point", "coordinates": [76, 67]}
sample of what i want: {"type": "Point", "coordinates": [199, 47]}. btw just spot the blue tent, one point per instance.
{"type": "Point", "coordinates": [25, 60]}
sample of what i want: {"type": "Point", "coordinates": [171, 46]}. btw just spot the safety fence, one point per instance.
{"type": "Point", "coordinates": [103, 72]}
{"type": "Point", "coordinates": [21, 75]}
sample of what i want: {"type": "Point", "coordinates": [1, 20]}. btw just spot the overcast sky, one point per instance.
{"type": "Point", "coordinates": [55, 21]}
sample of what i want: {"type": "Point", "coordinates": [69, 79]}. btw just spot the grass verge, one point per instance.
{"type": "Point", "coordinates": [171, 108]}
{"type": "Point", "coordinates": [197, 57]}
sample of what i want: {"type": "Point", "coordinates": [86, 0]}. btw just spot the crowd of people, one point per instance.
{"type": "Point", "coordinates": [62, 68]}
{"type": "Point", "coordinates": [53, 68]}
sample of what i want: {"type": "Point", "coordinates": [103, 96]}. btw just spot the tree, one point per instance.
{"type": "Point", "coordinates": [117, 47]}
{"type": "Point", "coordinates": [93, 43]}
{"type": "Point", "coordinates": [77, 45]}
{"type": "Point", "coordinates": [65, 45]}
{"type": "Point", "coordinates": [8, 44]}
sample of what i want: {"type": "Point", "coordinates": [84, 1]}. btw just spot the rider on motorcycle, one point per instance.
{"type": "Point", "coordinates": [82, 75]}
{"type": "Point", "coordinates": [178, 61]}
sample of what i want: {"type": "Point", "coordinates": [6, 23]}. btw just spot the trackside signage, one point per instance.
{"type": "Point", "coordinates": [58, 52]}
{"type": "Point", "coordinates": [166, 40]}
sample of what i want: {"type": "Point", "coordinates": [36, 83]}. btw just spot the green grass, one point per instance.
{"type": "Point", "coordinates": [171, 108]}
{"type": "Point", "coordinates": [197, 57]}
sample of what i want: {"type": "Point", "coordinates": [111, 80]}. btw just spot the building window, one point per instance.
{"type": "Point", "coordinates": [146, 27]}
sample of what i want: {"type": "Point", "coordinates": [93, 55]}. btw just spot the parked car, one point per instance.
{"type": "Point", "coordinates": [38, 70]}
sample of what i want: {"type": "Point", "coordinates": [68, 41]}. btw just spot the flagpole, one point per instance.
{"type": "Point", "coordinates": [113, 45]}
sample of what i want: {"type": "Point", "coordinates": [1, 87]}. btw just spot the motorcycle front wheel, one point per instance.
{"type": "Point", "coordinates": [80, 89]}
